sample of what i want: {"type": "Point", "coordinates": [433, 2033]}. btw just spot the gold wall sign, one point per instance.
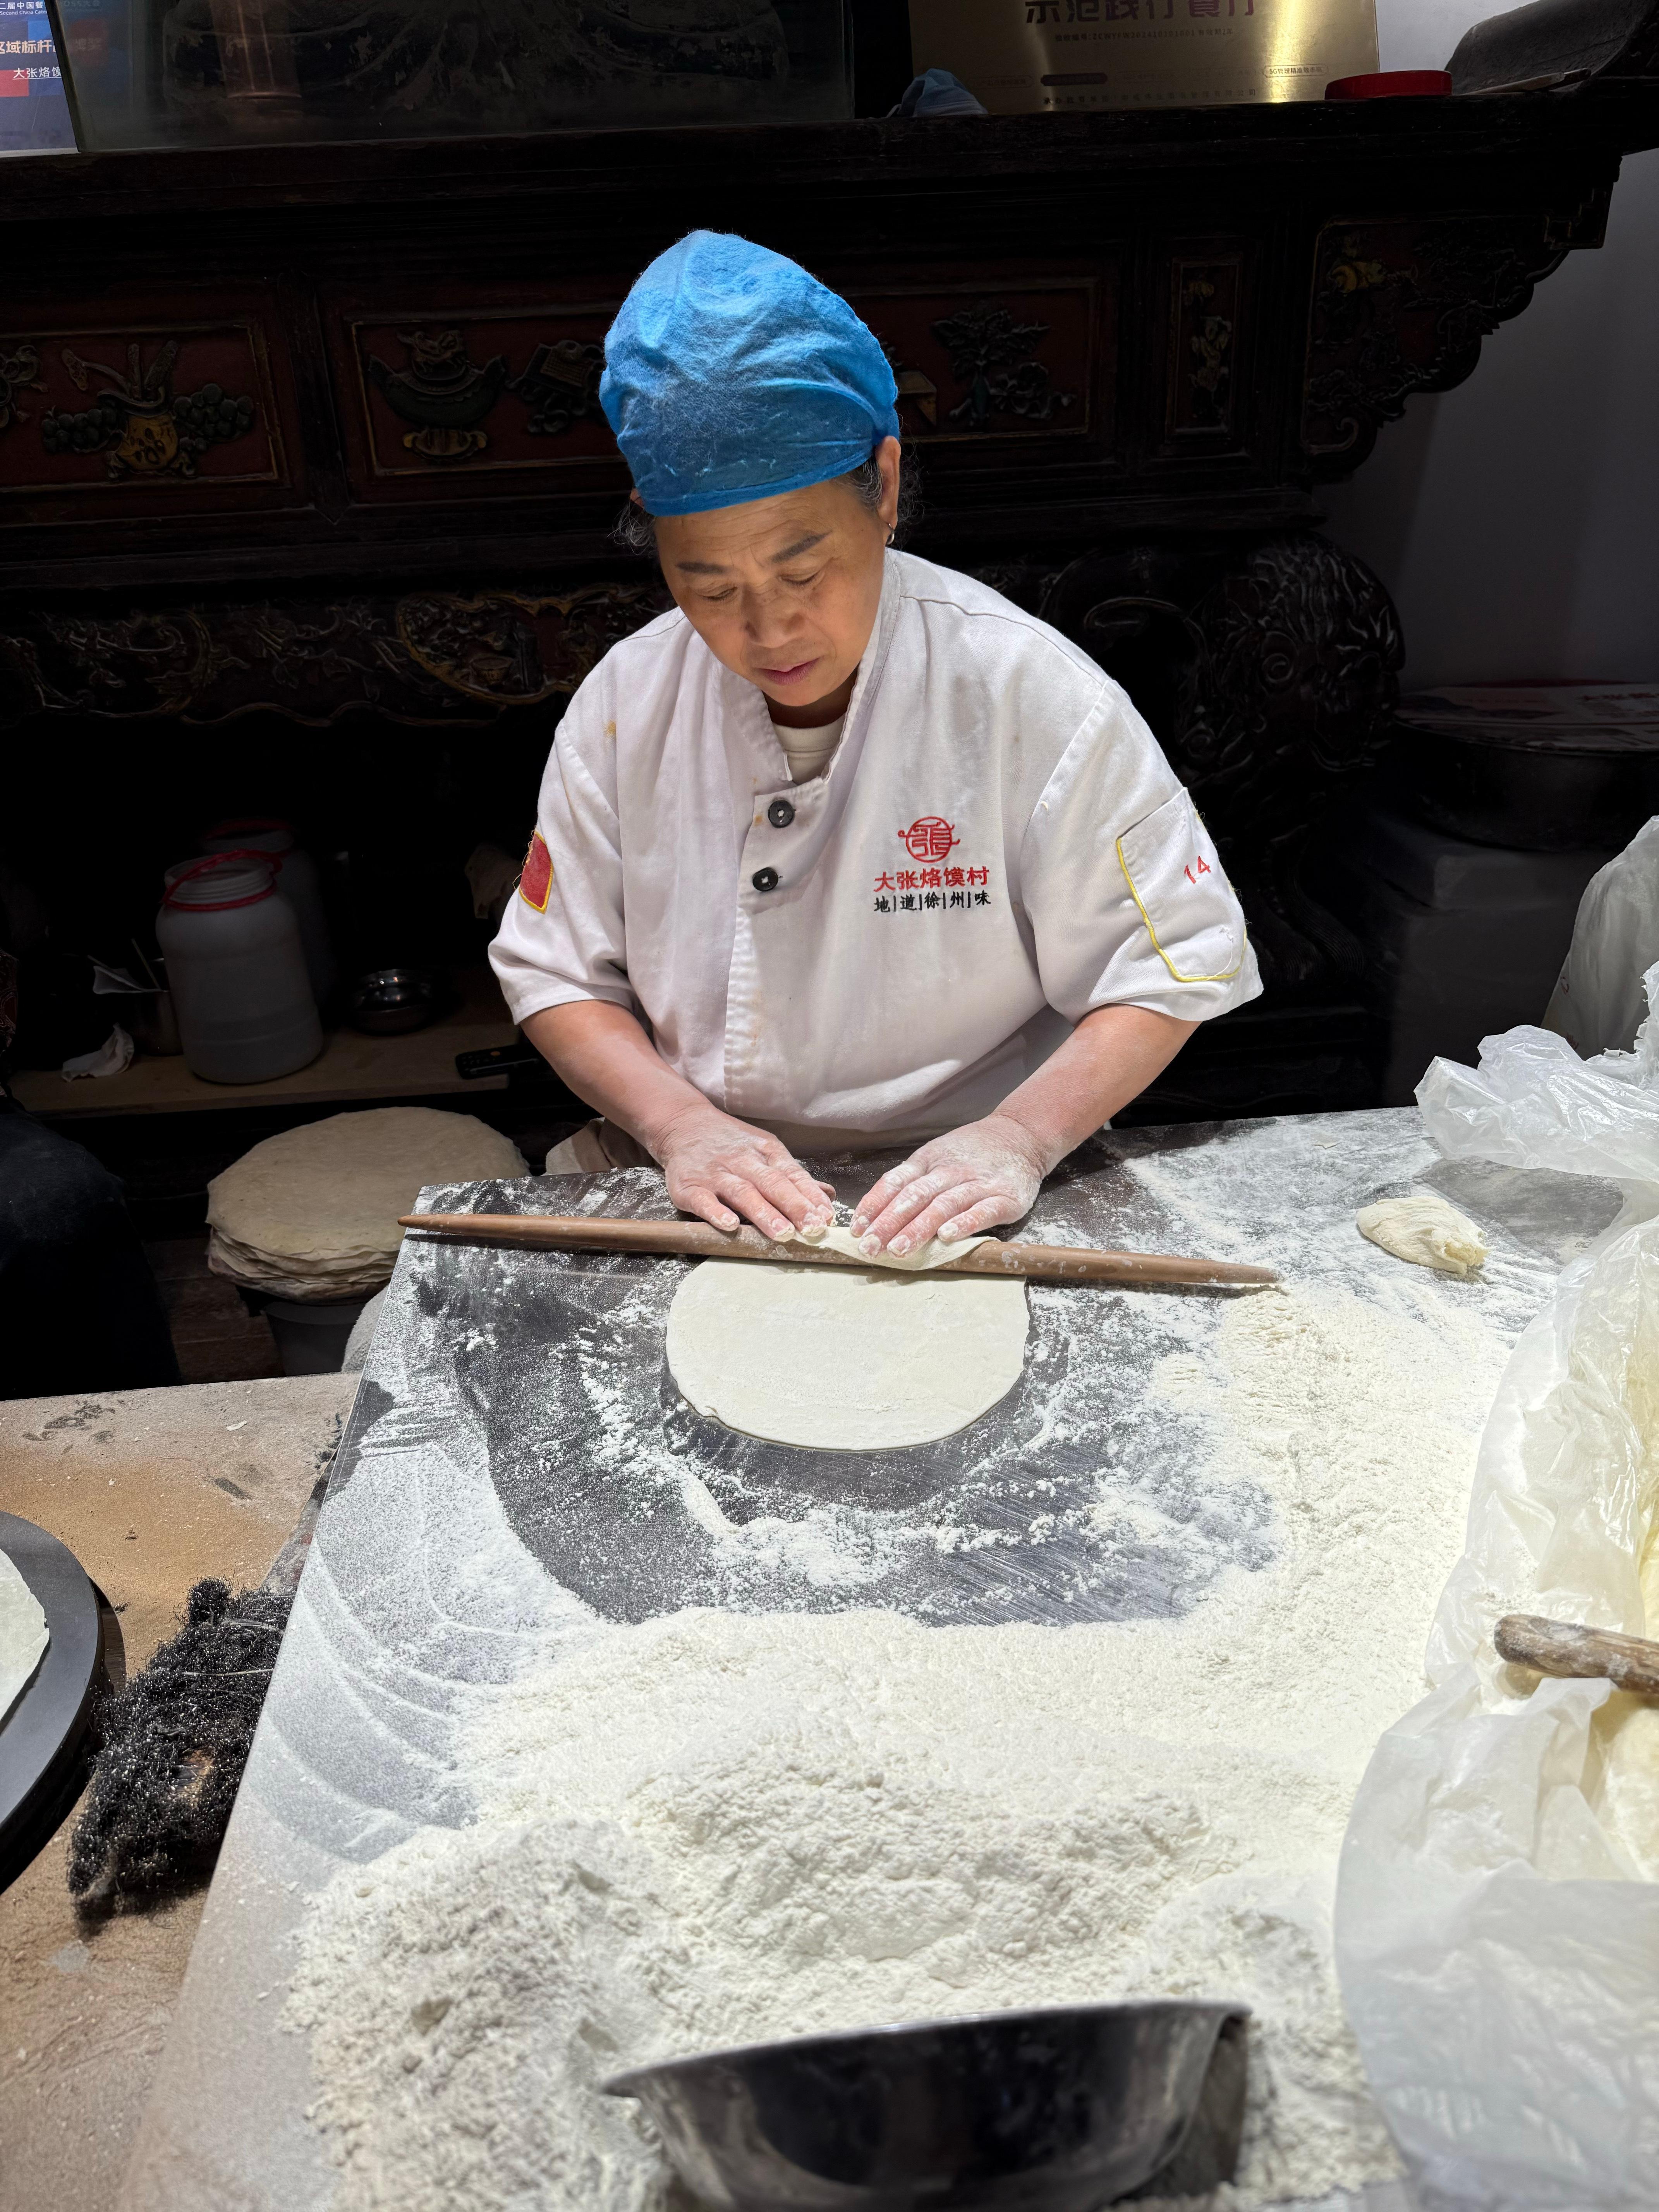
{"type": "Point", "coordinates": [1022, 56]}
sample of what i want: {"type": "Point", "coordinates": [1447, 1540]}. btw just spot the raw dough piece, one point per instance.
{"type": "Point", "coordinates": [313, 1213]}
{"type": "Point", "coordinates": [1425, 1230]}
{"type": "Point", "coordinates": [933, 1254]}
{"type": "Point", "coordinates": [22, 1634]}
{"type": "Point", "coordinates": [845, 1359]}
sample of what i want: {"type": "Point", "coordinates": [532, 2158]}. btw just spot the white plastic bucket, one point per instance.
{"type": "Point", "coordinates": [236, 970]}
{"type": "Point", "coordinates": [297, 879]}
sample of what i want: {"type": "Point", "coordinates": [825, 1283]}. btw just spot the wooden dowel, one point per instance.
{"type": "Point", "coordinates": [1568, 1648]}
{"type": "Point", "coordinates": [1043, 1263]}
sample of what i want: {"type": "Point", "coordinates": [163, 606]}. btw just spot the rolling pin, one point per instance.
{"type": "Point", "coordinates": [696, 1240]}
{"type": "Point", "coordinates": [1565, 1647]}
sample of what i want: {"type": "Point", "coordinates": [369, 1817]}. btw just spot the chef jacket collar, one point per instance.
{"type": "Point", "coordinates": [745, 710]}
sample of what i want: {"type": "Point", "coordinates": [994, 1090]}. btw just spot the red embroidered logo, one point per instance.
{"type": "Point", "coordinates": [930, 838]}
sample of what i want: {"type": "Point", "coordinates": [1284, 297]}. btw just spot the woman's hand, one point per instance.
{"type": "Point", "coordinates": [988, 1172]}
{"type": "Point", "coordinates": [991, 1171]}
{"type": "Point", "coordinates": [715, 1164]}
{"type": "Point", "coordinates": [712, 1162]}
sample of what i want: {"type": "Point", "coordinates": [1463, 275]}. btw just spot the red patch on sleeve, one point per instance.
{"type": "Point", "coordinates": [537, 881]}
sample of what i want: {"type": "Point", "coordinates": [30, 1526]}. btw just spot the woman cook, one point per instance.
{"type": "Point", "coordinates": [846, 851]}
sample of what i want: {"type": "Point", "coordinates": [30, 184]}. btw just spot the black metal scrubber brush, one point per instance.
{"type": "Point", "coordinates": [176, 1740]}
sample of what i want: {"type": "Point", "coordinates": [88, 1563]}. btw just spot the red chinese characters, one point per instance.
{"type": "Point", "coordinates": [931, 889]}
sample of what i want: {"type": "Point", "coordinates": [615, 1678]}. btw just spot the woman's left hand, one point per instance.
{"type": "Point", "coordinates": [988, 1172]}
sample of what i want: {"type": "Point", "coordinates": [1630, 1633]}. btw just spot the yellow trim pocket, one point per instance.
{"type": "Point", "coordinates": [1177, 880]}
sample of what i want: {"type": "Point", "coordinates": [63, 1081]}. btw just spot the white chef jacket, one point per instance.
{"type": "Point", "coordinates": [999, 847]}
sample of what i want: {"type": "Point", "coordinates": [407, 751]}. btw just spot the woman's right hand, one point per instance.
{"type": "Point", "coordinates": [720, 1169]}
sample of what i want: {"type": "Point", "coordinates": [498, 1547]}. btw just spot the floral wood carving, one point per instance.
{"type": "Point", "coordinates": [1402, 306]}
{"type": "Point", "coordinates": [501, 646]}
{"type": "Point", "coordinates": [995, 357]}
{"type": "Point", "coordinates": [1203, 348]}
{"type": "Point", "coordinates": [425, 658]}
{"type": "Point", "coordinates": [20, 372]}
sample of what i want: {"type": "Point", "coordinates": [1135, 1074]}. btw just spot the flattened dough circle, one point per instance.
{"type": "Point", "coordinates": [842, 1358]}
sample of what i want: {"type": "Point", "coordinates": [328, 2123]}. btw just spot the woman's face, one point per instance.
{"type": "Point", "coordinates": [784, 592]}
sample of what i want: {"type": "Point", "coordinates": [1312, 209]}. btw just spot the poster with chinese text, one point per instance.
{"type": "Point", "coordinates": [35, 117]}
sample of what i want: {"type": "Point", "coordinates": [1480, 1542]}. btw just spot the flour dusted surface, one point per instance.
{"type": "Point", "coordinates": [716, 1827]}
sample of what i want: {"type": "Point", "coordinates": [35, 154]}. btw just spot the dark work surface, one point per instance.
{"type": "Point", "coordinates": [525, 1394]}
{"type": "Point", "coordinates": [553, 1366]}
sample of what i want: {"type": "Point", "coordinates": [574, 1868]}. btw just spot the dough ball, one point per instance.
{"type": "Point", "coordinates": [1425, 1230]}
{"type": "Point", "coordinates": [925, 1256]}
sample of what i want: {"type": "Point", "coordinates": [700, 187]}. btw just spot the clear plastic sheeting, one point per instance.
{"type": "Point", "coordinates": [1532, 1102]}
{"type": "Point", "coordinates": [1497, 1917]}
{"type": "Point", "coordinates": [1597, 1004]}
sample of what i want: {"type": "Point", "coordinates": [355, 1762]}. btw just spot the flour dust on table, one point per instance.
{"type": "Point", "coordinates": [712, 1827]}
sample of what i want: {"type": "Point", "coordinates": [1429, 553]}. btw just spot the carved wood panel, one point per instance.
{"type": "Point", "coordinates": [434, 393]}
{"type": "Point", "coordinates": [115, 417]}
{"type": "Point", "coordinates": [992, 359]}
{"type": "Point", "coordinates": [421, 657]}
{"type": "Point", "coordinates": [458, 397]}
{"type": "Point", "coordinates": [1402, 306]}
{"type": "Point", "coordinates": [1206, 371]}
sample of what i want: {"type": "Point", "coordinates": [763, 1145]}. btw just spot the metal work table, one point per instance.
{"type": "Point", "coordinates": [518, 1459]}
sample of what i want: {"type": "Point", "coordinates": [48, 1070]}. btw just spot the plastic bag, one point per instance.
{"type": "Point", "coordinates": [1532, 1102]}
{"type": "Point", "coordinates": [1597, 1003]}
{"type": "Point", "coordinates": [1497, 1940]}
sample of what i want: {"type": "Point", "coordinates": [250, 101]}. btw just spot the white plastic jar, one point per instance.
{"type": "Point", "coordinates": [296, 879]}
{"type": "Point", "coordinates": [236, 970]}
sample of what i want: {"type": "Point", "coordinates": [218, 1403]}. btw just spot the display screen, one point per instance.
{"type": "Point", "coordinates": [34, 116]}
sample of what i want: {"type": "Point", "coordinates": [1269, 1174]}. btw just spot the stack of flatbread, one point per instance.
{"type": "Point", "coordinates": [314, 1212]}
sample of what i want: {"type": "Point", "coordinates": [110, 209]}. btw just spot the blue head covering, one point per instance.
{"type": "Point", "coordinates": [731, 374]}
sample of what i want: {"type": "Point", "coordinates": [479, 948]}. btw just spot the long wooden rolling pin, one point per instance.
{"type": "Point", "coordinates": [1565, 1647]}
{"type": "Point", "coordinates": [1040, 1263]}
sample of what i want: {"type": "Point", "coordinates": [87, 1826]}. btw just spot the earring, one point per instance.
{"type": "Point", "coordinates": [892, 535]}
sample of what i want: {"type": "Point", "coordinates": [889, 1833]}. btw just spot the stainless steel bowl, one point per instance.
{"type": "Point", "coordinates": [389, 1001]}
{"type": "Point", "coordinates": [1059, 2110]}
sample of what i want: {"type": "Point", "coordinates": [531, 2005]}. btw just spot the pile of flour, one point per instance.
{"type": "Point", "coordinates": [716, 1828]}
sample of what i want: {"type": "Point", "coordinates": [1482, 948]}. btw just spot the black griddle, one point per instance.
{"type": "Point", "coordinates": [46, 1740]}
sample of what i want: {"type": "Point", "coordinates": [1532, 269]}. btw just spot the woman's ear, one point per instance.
{"type": "Point", "coordinates": [888, 461]}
